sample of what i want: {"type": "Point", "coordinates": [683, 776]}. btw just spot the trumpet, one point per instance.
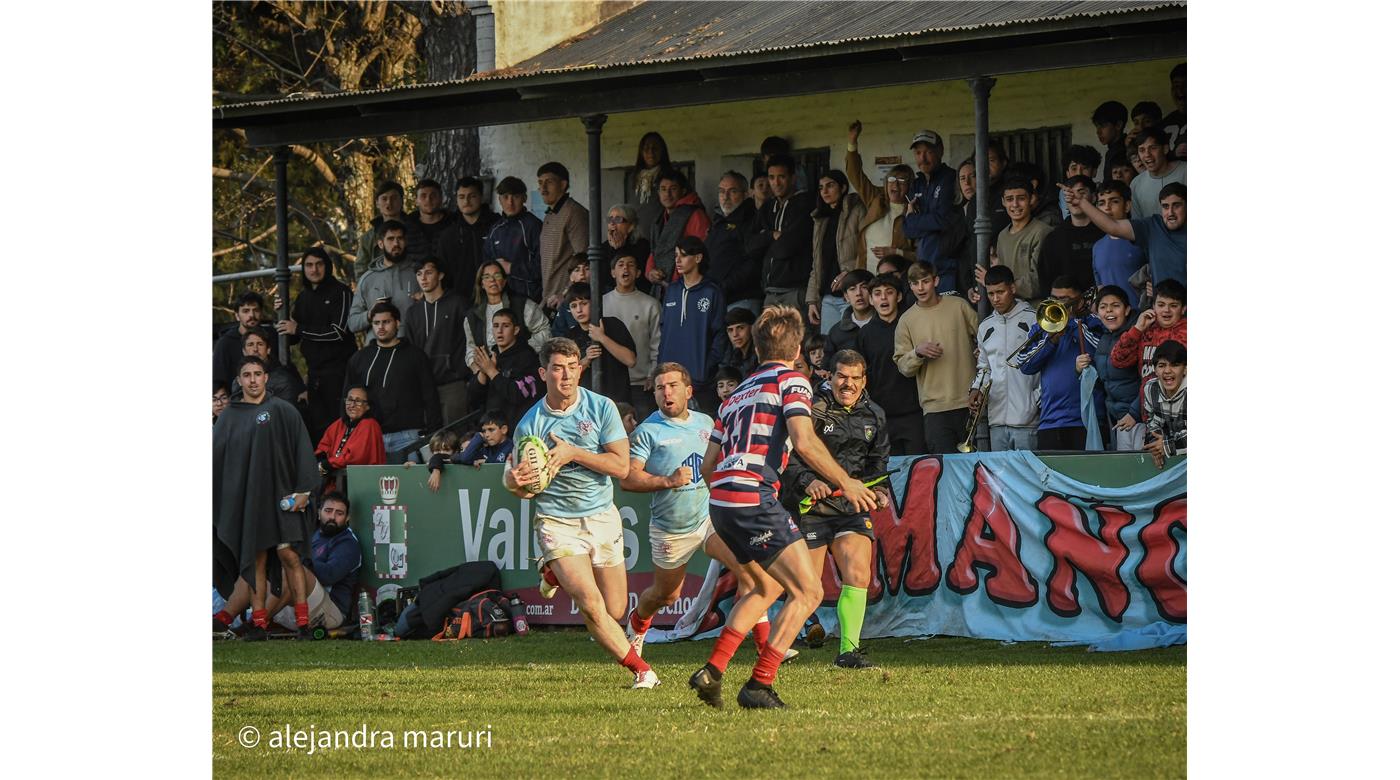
{"type": "Point", "coordinates": [1052, 317]}
{"type": "Point", "coordinates": [966, 444]}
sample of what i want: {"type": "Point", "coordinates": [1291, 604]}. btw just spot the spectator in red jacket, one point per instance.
{"type": "Point", "coordinates": [353, 440]}
{"type": "Point", "coordinates": [1166, 320]}
{"type": "Point", "coordinates": [682, 214]}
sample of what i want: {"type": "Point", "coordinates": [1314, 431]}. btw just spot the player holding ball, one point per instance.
{"type": "Point", "coordinates": [577, 527]}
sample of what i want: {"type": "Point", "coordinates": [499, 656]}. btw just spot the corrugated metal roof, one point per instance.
{"type": "Point", "coordinates": [657, 32]}
{"type": "Point", "coordinates": [680, 31]}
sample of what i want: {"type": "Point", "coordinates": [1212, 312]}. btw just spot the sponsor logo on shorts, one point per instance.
{"type": "Point", "coordinates": [812, 535]}
{"type": "Point", "coordinates": [762, 538]}
{"type": "Point", "coordinates": [868, 525]}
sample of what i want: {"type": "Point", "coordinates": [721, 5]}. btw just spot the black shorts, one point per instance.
{"type": "Point", "coordinates": [821, 531]}
{"type": "Point", "coordinates": [755, 534]}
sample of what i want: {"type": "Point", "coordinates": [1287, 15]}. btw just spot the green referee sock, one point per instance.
{"type": "Point", "coordinates": [850, 608]}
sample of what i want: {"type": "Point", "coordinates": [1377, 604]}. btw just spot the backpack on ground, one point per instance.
{"type": "Point", "coordinates": [486, 614]}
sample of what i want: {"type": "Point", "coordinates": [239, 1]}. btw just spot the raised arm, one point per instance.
{"type": "Point", "coordinates": [1119, 228]}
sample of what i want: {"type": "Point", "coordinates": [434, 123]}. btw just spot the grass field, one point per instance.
{"type": "Point", "coordinates": [936, 708]}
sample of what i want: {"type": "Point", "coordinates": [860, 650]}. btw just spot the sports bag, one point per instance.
{"type": "Point", "coordinates": [484, 615]}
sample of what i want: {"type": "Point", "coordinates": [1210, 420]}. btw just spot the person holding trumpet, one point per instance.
{"type": "Point", "coordinates": [1060, 345]}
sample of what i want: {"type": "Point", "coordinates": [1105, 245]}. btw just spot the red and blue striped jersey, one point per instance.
{"type": "Point", "coordinates": [751, 431]}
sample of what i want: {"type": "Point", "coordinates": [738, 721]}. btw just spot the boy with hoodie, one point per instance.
{"type": "Point", "coordinates": [1166, 320]}
{"type": "Point", "coordinates": [318, 322]}
{"type": "Point", "coordinates": [1164, 403]}
{"type": "Point", "coordinates": [894, 392]}
{"type": "Point", "coordinates": [434, 325]}
{"type": "Point", "coordinates": [1014, 410]}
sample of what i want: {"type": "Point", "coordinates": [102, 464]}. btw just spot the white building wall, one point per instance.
{"type": "Point", "coordinates": [890, 115]}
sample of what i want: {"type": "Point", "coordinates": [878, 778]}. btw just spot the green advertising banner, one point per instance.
{"type": "Point", "coordinates": [473, 517]}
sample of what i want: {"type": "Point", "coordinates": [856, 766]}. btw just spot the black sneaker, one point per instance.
{"type": "Point", "coordinates": [853, 659]}
{"type": "Point", "coordinates": [255, 634]}
{"type": "Point", "coordinates": [757, 696]}
{"type": "Point", "coordinates": [706, 683]}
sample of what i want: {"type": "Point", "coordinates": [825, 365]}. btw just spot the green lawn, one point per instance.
{"type": "Point", "coordinates": [937, 708]}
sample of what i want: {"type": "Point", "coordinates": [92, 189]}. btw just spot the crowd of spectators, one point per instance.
{"type": "Point", "coordinates": [442, 323]}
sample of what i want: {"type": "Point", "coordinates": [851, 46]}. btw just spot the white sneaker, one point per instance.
{"type": "Point", "coordinates": [647, 679]}
{"type": "Point", "coordinates": [637, 641]}
{"type": "Point", "coordinates": [788, 656]}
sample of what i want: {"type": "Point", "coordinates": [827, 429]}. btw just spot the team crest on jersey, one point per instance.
{"type": "Point", "coordinates": [703, 305]}
{"type": "Point", "coordinates": [263, 416]}
{"type": "Point", "coordinates": [584, 426]}
{"type": "Point", "coordinates": [869, 433]}
{"type": "Point", "coordinates": [704, 436]}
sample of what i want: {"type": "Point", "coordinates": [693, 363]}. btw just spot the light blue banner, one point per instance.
{"type": "Point", "coordinates": [1000, 546]}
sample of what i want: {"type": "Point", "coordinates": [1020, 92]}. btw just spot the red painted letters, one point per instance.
{"type": "Point", "coordinates": [992, 542]}
{"type": "Point", "coordinates": [1075, 548]}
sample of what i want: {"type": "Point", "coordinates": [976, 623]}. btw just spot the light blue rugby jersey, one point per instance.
{"type": "Point", "coordinates": [589, 424]}
{"type": "Point", "coordinates": [664, 445]}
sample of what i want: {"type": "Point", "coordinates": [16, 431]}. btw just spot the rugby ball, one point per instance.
{"type": "Point", "coordinates": [532, 450]}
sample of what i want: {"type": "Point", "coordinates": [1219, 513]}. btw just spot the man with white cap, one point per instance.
{"type": "Point", "coordinates": [931, 209]}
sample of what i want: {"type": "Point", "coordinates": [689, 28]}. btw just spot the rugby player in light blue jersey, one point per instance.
{"type": "Point", "coordinates": [668, 449]}
{"type": "Point", "coordinates": [577, 527]}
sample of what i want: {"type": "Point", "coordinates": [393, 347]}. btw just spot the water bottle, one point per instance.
{"type": "Point", "coordinates": [288, 502]}
{"type": "Point", "coordinates": [517, 616]}
{"type": "Point", "coordinates": [366, 618]}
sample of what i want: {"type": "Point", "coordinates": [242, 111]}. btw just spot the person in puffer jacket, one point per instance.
{"type": "Point", "coordinates": [1120, 385]}
{"type": "Point", "coordinates": [1164, 403]}
{"type": "Point", "coordinates": [1013, 397]}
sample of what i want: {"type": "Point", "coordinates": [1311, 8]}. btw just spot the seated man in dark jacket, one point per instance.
{"type": "Point", "coordinates": [853, 428]}
{"type": "Point", "coordinates": [330, 576]}
{"type": "Point", "coordinates": [507, 375]}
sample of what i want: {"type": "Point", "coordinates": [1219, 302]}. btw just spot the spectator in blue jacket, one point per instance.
{"type": "Point", "coordinates": [515, 241]}
{"type": "Point", "coordinates": [931, 207]}
{"type": "Point", "coordinates": [692, 315]}
{"type": "Point", "coordinates": [491, 445]}
{"type": "Point", "coordinates": [1056, 357]}
{"type": "Point", "coordinates": [1120, 385]}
